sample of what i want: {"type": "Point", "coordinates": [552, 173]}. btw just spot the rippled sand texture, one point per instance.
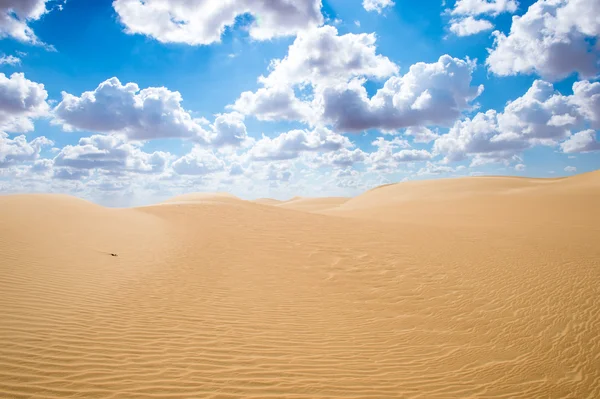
{"type": "Point", "coordinates": [476, 287]}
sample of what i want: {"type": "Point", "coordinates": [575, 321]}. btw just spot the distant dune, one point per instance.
{"type": "Point", "coordinates": [313, 204]}
{"type": "Point", "coordinates": [201, 198]}
{"type": "Point", "coordinates": [480, 287]}
{"type": "Point", "coordinates": [479, 200]}
{"type": "Point", "coordinates": [267, 201]}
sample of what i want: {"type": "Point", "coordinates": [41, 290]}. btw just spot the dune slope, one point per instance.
{"type": "Point", "coordinates": [233, 299]}
{"type": "Point", "coordinates": [485, 201]}
{"type": "Point", "coordinates": [313, 204]}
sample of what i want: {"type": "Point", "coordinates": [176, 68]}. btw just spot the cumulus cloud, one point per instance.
{"type": "Point", "coordinates": [198, 162]}
{"type": "Point", "coordinates": [387, 158]}
{"type": "Point", "coordinates": [421, 134]}
{"type": "Point", "coordinates": [291, 144]}
{"type": "Point", "coordinates": [336, 69]}
{"type": "Point", "coordinates": [428, 94]}
{"type": "Point", "coordinates": [553, 39]}
{"type": "Point", "coordinates": [342, 158]}
{"type": "Point", "coordinates": [586, 95]}
{"type": "Point", "coordinates": [484, 7]}
{"type": "Point", "coordinates": [542, 116]}
{"type": "Point", "coordinates": [111, 155]}
{"type": "Point", "coordinates": [151, 113]}
{"type": "Point", "coordinates": [70, 174]}
{"type": "Point", "coordinates": [519, 167]}
{"type": "Point", "coordinates": [273, 103]}
{"type": "Point", "coordinates": [464, 13]}
{"type": "Point", "coordinates": [236, 169]}
{"type": "Point", "coordinates": [585, 141]}
{"type": "Point", "coordinates": [228, 130]}
{"type": "Point", "coordinates": [18, 150]}
{"type": "Point", "coordinates": [318, 58]}
{"type": "Point", "coordinates": [21, 101]}
{"type": "Point", "coordinates": [469, 26]}
{"type": "Point", "coordinates": [276, 173]}
{"type": "Point", "coordinates": [377, 5]}
{"type": "Point", "coordinates": [437, 169]}
{"type": "Point", "coordinates": [412, 155]}
{"type": "Point", "coordinates": [321, 55]}
{"type": "Point", "coordinates": [202, 22]}
{"type": "Point", "coordinates": [41, 166]}
{"type": "Point", "coordinates": [15, 15]}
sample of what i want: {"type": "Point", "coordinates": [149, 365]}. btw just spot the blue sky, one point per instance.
{"type": "Point", "coordinates": [323, 121]}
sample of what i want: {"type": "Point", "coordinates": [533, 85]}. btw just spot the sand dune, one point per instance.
{"type": "Point", "coordinates": [202, 198]}
{"type": "Point", "coordinates": [460, 288]}
{"type": "Point", "coordinates": [312, 204]}
{"type": "Point", "coordinates": [497, 201]}
{"type": "Point", "coordinates": [267, 201]}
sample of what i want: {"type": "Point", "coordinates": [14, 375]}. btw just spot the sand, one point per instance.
{"type": "Point", "coordinates": [464, 288]}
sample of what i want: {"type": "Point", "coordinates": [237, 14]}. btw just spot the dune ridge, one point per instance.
{"type": "Point", "coordinates": [476, 287]}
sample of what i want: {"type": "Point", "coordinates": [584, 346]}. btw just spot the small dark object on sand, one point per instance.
{"type": "Point", "coordinates": [114, 255]}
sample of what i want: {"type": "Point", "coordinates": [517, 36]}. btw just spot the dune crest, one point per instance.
{"type": "Point", "coordinates": [313, 204]}
{"type": "Point", "coordinates": [460, 288]}
{"type": "Point", "coordinates": [196, 198]}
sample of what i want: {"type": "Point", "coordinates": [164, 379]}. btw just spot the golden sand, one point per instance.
{"type": "Point", "coordinates": [460, 288]}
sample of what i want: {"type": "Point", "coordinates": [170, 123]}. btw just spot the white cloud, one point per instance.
{"type": "Point", "coordinates": [519, 167]}
{"type": "Point", "coordinates": [318, 58]}
{"type": "Point", "coordinates": [586, 95]}
{"type": "Point", "coordinates": [336, 69]}
{"type": "Point", "coordinates": [111, 155]}
{"type": "Point", "coordinates": [202, 22]}
{"type": "Point", "coordinates": [41, 166]}
{"type": "Point", "coordinates": [542, 113]}
{"type": "Point", "coordinates": [428, 94]}
{"type": "Point", "coordinates": [21, 100]}
{"type": "Point", "coordinates": [320, 55]}
{"type": "Point", "coordinates": [436, 169]}
{"type": "Point", "coordinates": [151, 113]}
{"type": "Point", "coordinates": [10, 60]}
{"type": "Point", "coordinates": [71, 174]}
{"type": "Point", "coordinates": [377, 5]}
{"type": "Point", "coordinates": [273, 103]}
{"type": "Point", "coordinates": [585, 141]}
{"type": "Point", "coordinates": [484, 7]}
{"type": "Point", "coordinates": [236, 169]}
{"type": "Point", "coordinates": [228, 130]}
{"type": "Point", "coordinates": [198, 162]}
{"type": "Point", "coordinates": [421, 134]}
{"type": "Point", "coordinates": [542, 116]}
{"type": "Point", "coordinates": [277, 173]}
{"type": "Point", "coordinates": [469, 26]}
{"type": "Point", "coordinates": [387, 159]}
{"type": "Point", "coordinates": [571, 169]}
{"type": "Point", "coordinates": [18, 150]}
{"type": "Point", "coordinates": [412, 155]}
{"type": "Point", "coordinates": [342, 158]}
{"type": "Point", "coordinates": [15, 15]}
{"type": "Point", "coordinates": [289, 145]}
{"type": "Point", "coordinates": [554, 38]}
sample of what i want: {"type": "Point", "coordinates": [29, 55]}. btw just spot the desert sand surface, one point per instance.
{"type": "Point", "coordinates": [482, 287]}
{"type": "Point", "coordinates": [312, 204]}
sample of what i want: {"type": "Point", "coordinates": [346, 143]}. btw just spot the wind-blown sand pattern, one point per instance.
{"type": "Point", "coordinates": [463, 288]}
